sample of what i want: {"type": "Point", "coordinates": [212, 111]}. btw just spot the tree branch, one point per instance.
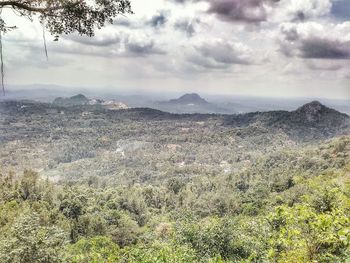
{"type": "Point", "coordinates": [33, 8]}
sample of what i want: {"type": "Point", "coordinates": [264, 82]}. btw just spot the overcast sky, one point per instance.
{"type": "Point", "coordinates": [247, 47]}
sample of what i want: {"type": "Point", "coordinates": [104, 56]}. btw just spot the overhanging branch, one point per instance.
{"type": "Point", "coordinates": [30, 8]}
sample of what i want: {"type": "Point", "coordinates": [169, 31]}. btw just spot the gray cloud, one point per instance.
{"type": "Point", "coordinates": [120, 44]}
{"type": "Point", "coordinates": [156, 21]}
{"type": "Point", "coordinates": [102, 41]}
{"type": "Point", "coordinates": [122, 21]}
{"type": "Point", "coordinates": [328, 65]}
{"type": "Point", "coordinates": [311, 41]}
{"type": "Point", "coordinates": [181, 1]}
{"type": "Point", "coordinates": [187, 25]}
{"type": "Point", "coordinates": [159, 20]}
{"type": "Point", "coordinates": [291, 10]}
{"type": "Point", "coordinates": [220, 54]}
{"type": "Point", "coordinates": [325, 48]}
{"type": "Point", "coordinates": [142, 47]}
{"type": "Point", "coordinates": [256, 11]}
{"type": "Point", "coordinates": [249, 11]}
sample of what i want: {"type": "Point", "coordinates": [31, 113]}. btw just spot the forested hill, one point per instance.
{"type": "Point", "coordinates": [312, 121]}
{"type": "Point", "coordinates": [86, 184]}
{"type": "Point", "coordinates": [76, 142]}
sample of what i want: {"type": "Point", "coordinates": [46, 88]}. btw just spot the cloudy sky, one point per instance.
{"type": "Point", "coordinates": [247, 47]}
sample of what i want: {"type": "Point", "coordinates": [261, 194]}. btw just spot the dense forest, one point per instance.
{"type": "Point", "coordinates": [85, 184]}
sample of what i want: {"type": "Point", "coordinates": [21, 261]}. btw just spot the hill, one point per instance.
{"type": "Point", "coordinates": [189, 99]}
{"type": "Point", "coordinates": [81, 100]}
{"type": "Point", "coordinates": [76, 100]}
{"type": "Point", "coordinates": [312, 121]}
{"type": "Point", "coordinates": [189, 103]}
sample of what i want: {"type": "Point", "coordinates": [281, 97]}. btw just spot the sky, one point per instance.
{"type": "Point", "coordinates": [280, 48]}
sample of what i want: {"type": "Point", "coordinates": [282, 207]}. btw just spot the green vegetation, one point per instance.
{"type": "Point", "coordinates": [178, 189]}
{"type": "Point", "coordinates": [299, 216]}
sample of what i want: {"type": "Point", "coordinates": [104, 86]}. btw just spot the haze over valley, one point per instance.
{"type": "Point", "coordinates": [166, 101]}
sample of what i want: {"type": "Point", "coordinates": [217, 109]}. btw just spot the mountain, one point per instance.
{"type": "Point", "coordinates": [311, 121]}
{"type": "Point", "coordinates": [189, 103]}
{"type": "Point", "coordinates": [76, 100]}
{"type": "Point", "coordinates": [316, 120]}
{"type": "Point", "coordinates": [315, 112]}
{"type": "Point", "coordinates": [81, 100]}
{"type": "Point", "coordinates": [190, 99]}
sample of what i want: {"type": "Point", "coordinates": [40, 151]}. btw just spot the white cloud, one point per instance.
{"type": "Point", "coordinates": [183, 45]}
{"type": "Point", "coordinates": [316, 40]}
{"type": "Point", "coordinates": [294, 10]}
{"type": "Point", "coordinates": [220, 53]}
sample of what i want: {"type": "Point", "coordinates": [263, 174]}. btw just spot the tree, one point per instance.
{"type": "Point", "coordinates": [28, 241]}
{"type": "Point", "coordinates": [161, 253]}
{"type": "Point", "coordinates": [98, 249]}
{"type": "Point", "coordinates": [29, 188]}
{"type": "Point", "coordinates": [68, 16]}
{"type": "Point", "coordinates": [73, 204]}
{"type": "Point", "coordinates": [126, 232]}
{"type": "Point", "coordinates": [301, 234]}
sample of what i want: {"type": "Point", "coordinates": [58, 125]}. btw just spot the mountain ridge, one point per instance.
{"type": "Point", "coordinates": [311, 121]}
{"type": "Point", "coordinates": [82, 100]}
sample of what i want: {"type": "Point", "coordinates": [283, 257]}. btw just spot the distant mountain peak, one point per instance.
{"type": "Point", "coordinates": [312, 106]}
{"type": "Point", "coordinates": [79, 97]}
{"type": "Point", "coordinates": [190, 98]}
{"type": "Point", "coordinates": [315, 111]}
{"type": "Point", "coordinates": [188, 103]}
{"type": "Point", "coordinates": [76, 100]}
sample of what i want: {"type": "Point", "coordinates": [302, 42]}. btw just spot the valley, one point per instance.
{"type": "Point", "coordinates": [144, 145]}
{"type": "Point", "coordinates": [147, 184]}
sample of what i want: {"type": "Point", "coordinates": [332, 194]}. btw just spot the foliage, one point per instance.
{"type": "Point", "coordinates": [316, 230]}
{"type": "Point", "coordinates": [65, 17]}
{"type": "Point", "coordinates": [99, 249]}
{"type": "Point", "coordinates": [28, 241]}
{"type": "Point", "coordinates": [174, 196]}
{"type": "Point", "coordinates": [226, 238]}
{"type": "Point", "coordinates": [159, 253]}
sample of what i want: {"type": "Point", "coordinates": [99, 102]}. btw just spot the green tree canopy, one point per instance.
{"type": "Point", "coordinates": [68, 16]}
